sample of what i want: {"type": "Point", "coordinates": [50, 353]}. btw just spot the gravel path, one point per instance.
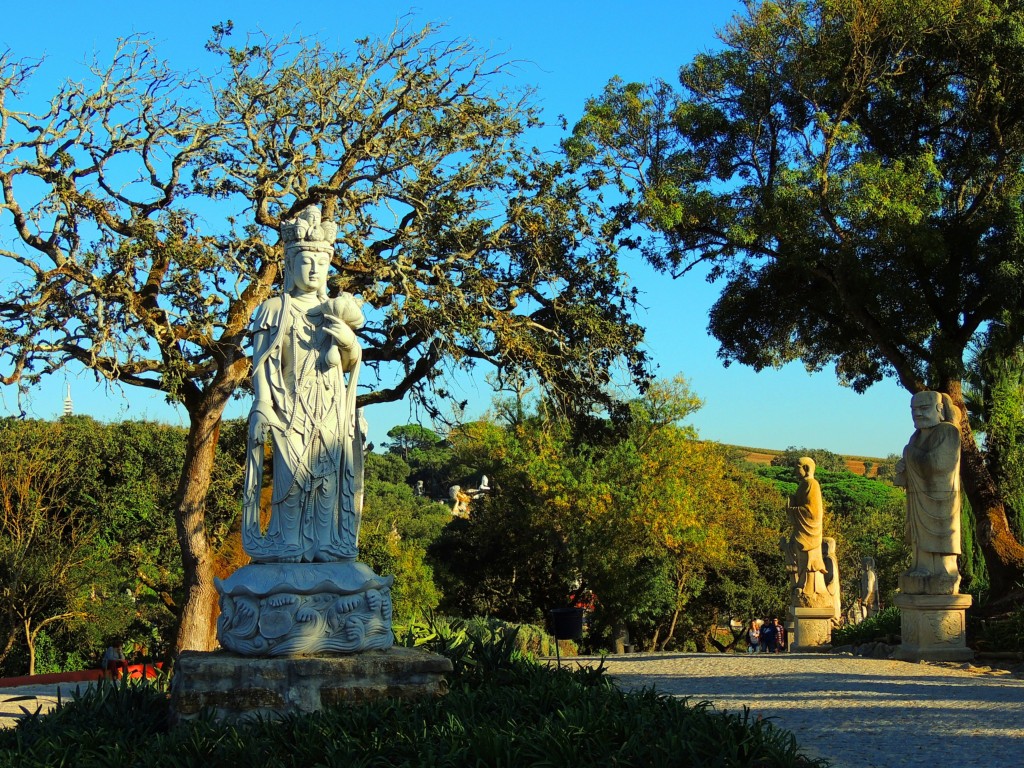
{"type": "Point", "coordinates": [15, 703]}
{"type": "Point", "coordinates": [858, 713]}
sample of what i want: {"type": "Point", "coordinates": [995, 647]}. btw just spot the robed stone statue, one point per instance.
{"type": "Point", "coordinates": [305, 592]}
{"type": "Point", "coordinates": [930, 471]}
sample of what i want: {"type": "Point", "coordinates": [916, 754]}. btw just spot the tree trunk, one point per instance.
{"type": "Point", "coordinates": [195, 628]}
{"type": "Point", "coordinates": [12, 636]}
{"type": "Point", "coordinates": [1004, 555]}
{"type": "Point", "coordinates": [680, 585]}
{"type": "Point", "coordinates": [30, 641]}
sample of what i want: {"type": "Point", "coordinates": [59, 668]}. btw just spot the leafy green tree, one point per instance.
{"type": "Point", "coordinates": [886, 471]}
{"type": "Point", "coordinates": [46, 553]}
{"type": "Point", "coordinates": [511, 558]}
{"type": "Point", "coordinates": [994, 394]}
{"type": "Point", "coordinates": [852, 171]}
{"type": "Point", "coordinates": [397, 529]}
{"type": "Point", "coordinates": [117, 481]}
{"type": "Point", "coordinates": [663, 528]}
{"type": "Point", "coordinates": [427, 454]}
{"type": "Point", "coordinates": [467, 246]}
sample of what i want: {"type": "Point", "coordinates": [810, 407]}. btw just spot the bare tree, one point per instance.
{"type": "Point", "coordinates": [144, 204]}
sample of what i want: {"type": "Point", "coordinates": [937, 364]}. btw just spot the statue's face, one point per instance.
{"type": "Point", "coordinates": [804, 469]}
{"type": "Point", "coordinates": [309, 270]}
{"type": "Point", "coordinates": [926, 408]}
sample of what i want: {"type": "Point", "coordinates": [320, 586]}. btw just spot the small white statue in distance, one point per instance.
{"type": "Point", "coordinates": [461, 498]}
{"type": "Point", "coordinates": [930, 471]}
{"type": "Point", "coordinates": [869, 598]}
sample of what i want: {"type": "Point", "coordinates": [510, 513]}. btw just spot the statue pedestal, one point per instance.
{"type": "Point", "coordinates": [812, 628]}
{"type": "Point", "coordinates": [287, 609]}
{"type": "Point", "coordinates": [239, 687]}
{"type": "Point", "coordinates": [933, 628]}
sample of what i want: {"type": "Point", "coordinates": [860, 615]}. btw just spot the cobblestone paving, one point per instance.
{"type": "Point", "coordinates": [858, 713]}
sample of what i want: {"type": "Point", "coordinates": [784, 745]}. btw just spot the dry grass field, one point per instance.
{"type": "Point", "coordinates": [765, 455]}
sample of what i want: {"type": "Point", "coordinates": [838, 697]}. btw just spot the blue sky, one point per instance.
{"type": "Point", "coordinates": [567, 50]}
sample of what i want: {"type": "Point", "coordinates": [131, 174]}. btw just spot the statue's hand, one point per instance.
{"type": "Point", "coordinates": [260, 423]}
{"type": "Point", "coordinates": [340, 331]}
{"type": "Point", "coordinates": [900, 478]}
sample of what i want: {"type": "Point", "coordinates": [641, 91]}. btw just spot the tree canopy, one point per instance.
{"type": "Point", "coordinates": [666, 530]}
{"type": "Point", "coordinates": [851, 170]}
{"type": "Point", "coordinates": [141, 206]}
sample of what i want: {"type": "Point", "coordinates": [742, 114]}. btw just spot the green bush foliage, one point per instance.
{"type": "Point", "coordinates": [478, 646]}
{"type": "Point", "coordinates": [1002, 633]}
{"type": "Point", "coordinates": [885, 625]}
{"type": "Point", "coordinates": [527, 715]}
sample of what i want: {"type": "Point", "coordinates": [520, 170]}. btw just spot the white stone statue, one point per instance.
{"type": "Point", "coordinates": [869, 598]}
{"type": "Point", "coordinates": [814, 606]}
{"type": "Point", "coordinates": [831, 558]}
{"type": "Point", "coordinates": [460, 501]}
{"type": "Point", "coordinates": [930, 471]}
{"type": "Point", "coordinates": [305, 592]}
{"type": "Point", "coordinates": [461, 497]}
{"type": "Point", "coordinates": [303, 345]}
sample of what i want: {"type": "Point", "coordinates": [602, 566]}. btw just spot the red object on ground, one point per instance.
{"type": "Point", "coordinates": [135, 672]}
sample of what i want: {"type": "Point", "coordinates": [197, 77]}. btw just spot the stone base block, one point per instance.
{"type": "Point", "coordinates": [914, 583]}
{"type": "Point", "coordinates": [812, 628]}
{"type": "Point", "coordinates": [933, 628]}
{"type": "Point", "coordinates": [241, 687]}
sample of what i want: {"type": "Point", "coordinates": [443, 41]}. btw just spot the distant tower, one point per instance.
{"type": "Point", "coordinates": [69, 407]}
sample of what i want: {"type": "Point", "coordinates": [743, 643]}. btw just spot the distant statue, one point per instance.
{"type": "Point", "coordinates": [806, 514]}
{"type": "Point", "coordinates": [869, 599]}
{"type": "Point", "coordinates": [460, 501]}
{"type": "Point", "coordinates": [930, 471]}
{"type": "Point", "coordinates": [305, 592]}
{"type": "Point", "coordinates": [461, 498]}
{"type": "Point", "coordinates": [303, 345]}
{"type": "Point", "coordinates": [831, 558]}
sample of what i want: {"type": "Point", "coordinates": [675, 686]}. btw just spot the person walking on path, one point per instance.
{"type": "Point", "coordinates": [767, 638]}
{"type": "Point", "coordinates": [780, 637]}
{"type": "Point", "coordinates": [754, 637]}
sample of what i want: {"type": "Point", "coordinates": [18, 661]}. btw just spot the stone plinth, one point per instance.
{"type": "Point", "coordinates": [933, 628]}
{"type": "Point", "coordinates": [241, 687]}
{"type": "Point", "coordinates": [812, 628]}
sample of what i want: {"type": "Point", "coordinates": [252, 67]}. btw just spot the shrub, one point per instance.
{"type": "Point", "coordinates": [885, 625]}
{"type": "Point", "coordinates": [453, 638]}
{"type": "Point", "coordinates": [1003, 633]}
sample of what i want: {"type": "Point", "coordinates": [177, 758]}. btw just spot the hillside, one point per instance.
{"type": "Point", "coordinates": [765, 455]}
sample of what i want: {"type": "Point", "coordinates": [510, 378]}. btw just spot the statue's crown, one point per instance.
{"type": "Point", "coordinates": [307, 231]}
